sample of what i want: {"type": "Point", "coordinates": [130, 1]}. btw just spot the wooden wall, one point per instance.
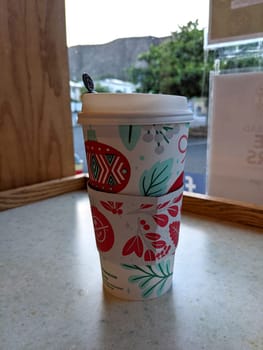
{"type": "Point", "coordinates": [35, 121]}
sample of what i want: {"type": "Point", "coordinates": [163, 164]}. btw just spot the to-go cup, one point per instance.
{"type": "Point", "coordinates": [135, 143]}
{"type": "Point", "coordinates": [136, 146]}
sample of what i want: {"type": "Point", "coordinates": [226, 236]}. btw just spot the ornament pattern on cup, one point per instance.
{"type": "Point", "coordinates": [104, 233]}
{"type": "Point", "coordinates": [109, 169]}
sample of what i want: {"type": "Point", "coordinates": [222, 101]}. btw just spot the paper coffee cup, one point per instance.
{"type": "Point", "coordinates": [136, 146]}
{"type": "Point", "coordinates": [135, 143]}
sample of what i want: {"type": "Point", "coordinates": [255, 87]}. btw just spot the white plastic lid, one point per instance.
{"type": "Point", "coordinates": [140, 109]}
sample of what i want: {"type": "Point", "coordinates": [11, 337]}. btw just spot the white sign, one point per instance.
{"type": "Point", "coordinates": [235, 157]}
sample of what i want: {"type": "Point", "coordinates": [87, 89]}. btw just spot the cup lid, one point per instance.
{"type": "Point", "coordinates": [134, 108]}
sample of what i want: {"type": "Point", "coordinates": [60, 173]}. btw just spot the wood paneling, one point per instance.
{"type": "Point", "coordinates": [220, 209]}
{"type": "Point", "coordinates": [29, 194]}
{"type": "Point", "coordinates": [35, 123]}
{"type": "Point", "coordinates": [223, 209]}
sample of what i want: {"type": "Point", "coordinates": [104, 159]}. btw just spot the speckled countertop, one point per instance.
{"type": "Point", "coordinates": [51, 295]}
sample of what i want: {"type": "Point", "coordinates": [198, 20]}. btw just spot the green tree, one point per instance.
{"type": "Point", "coordinates": [147, 74]}
{"type": "Point", "coordinates": [177, 66]}
{"type": "Point", "coordinates": [101, 88]}
{"type": "Point", "coordinates": [243, 63]}
{"type": "Point", "coordinates": [242, 57]}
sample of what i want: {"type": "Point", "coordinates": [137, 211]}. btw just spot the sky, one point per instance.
{"type": "Point", "coordinates": [101, 21]}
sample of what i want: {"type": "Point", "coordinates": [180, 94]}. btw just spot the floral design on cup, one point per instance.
{"type": "Point", "coordinates": [146, 229]}
{"type": "Point", "coordinates": [178, 183]}
{"type": "Point", "coordinates": [113, 207]}
{"type": "Point", "coordinates": [130, 135]}
{"type": "Point", "coordinates": [153, 182]}
{"type": "Point", "coordinates": [152, 245]}
{"type": "Point", "coordinates": [158, 134]}
{"type": "Point", "coordinates": [174, 229]}
{"type": "Point", "coordinates": [151, 279]}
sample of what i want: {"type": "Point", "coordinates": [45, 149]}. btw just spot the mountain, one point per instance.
{"type": "Point", "coordinates": [108, 60]}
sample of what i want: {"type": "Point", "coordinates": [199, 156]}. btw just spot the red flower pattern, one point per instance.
{"type": "Point", "coordinates": [113, 207]}
{"type": "Point", "coordinates": [174, 232]}
{"type": "Point", "coordinates": [133, 245]}
{"type": "Point", "coordinates": [149, 255]}
{"type": "Point", "coordinates": [149, 244]}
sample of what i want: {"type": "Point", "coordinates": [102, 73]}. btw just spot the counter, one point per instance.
{"type": "Point", "coordinates": [51, 295]}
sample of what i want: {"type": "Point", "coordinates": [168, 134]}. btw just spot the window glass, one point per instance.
{"type": "Point", "coordinates": [133, 47]}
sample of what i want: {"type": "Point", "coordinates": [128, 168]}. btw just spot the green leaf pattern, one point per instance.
{"type": "Point", "coordinates": [153, 182]}
{"type": "Point", "coordinates": [130, 135]}
{"type": "Point", "coordinates": [150, 278]}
